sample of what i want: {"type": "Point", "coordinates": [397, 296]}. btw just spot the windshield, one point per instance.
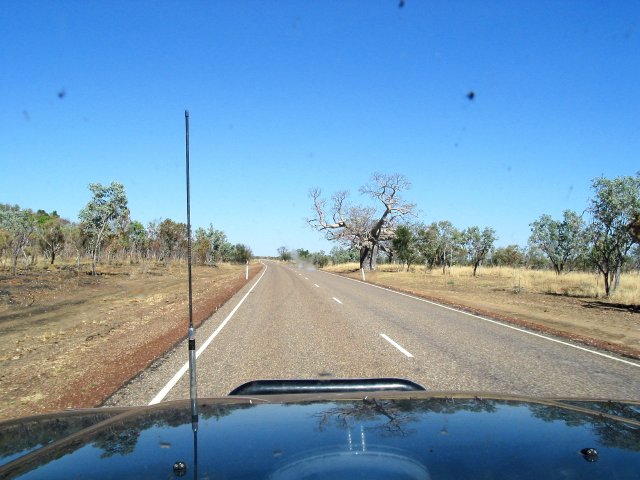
{"type": "Point", "coordinates": [444, 192]}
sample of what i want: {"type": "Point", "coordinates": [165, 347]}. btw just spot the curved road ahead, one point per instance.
{"type": "Point", "coordinates": [310, 324]}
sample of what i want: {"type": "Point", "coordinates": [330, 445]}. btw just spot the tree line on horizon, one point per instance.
{"type": "Point", "coordinates": [105, 232]}
{"type": "Point", "coordinates": [605, 241]}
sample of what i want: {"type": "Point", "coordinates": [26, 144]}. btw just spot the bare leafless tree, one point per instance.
{"type": "Point", "coordinates": [364, 227]}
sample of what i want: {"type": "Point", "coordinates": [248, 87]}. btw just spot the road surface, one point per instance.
{"type": "Point", "coordinates": [303, 323]}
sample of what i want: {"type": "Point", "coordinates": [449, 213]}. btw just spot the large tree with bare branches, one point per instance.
{"type": "Point", "coordinates": [367, 228]}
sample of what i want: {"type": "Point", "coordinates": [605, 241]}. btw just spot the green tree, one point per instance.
{"type": "Point", "coordinates": [18, 225]}
{"type": "Point", "coordinates": [222, 249]}
{"type": "Point", "coordinates": [284, 253]}
{"type": "Point", "coordinates": [172, 238]}
{"type": "Point", "coordinates": [303, 254]}
{"type": "Point", "coordinates": [219, 249]}
{"type": "Point", "coordinates": [509, 256]}
{"type": "Point", "coordinates": [153, 240]}
{"type": "Point", "coordinates": [615, 205]}
{"type": "Point", "coordinates": [439, 243]}
{"type": "Point", "coordinates": [5, 243]}
{"type": "Point", "coordinates": [343, 255]}
{"type": "Point", "coordinates": [320, 259]}
{"type": "Point", "coordinates": [562, 241]}
{"type": "Point", "coordinates": [404, 245]}
{"type": "Point", "coordinates": [76, 241]}
{"type": "Point", "coordinates": [50, 235]}
{"type": "Point", "coordinates": [427, 244]}
{"type": "Point", "coordinates": [137, 236]}
{"type": "Point", "coordinates": [103, 215]}
{"type": "Point", "coordinates": [478, 244]}
{"type": "Point", "coordinates": [242, 253]}
{"type": "Point", "coordinates": [202, 248]}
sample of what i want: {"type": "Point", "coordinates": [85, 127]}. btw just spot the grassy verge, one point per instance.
{"type": "Point", "coordinates": [571, 284]}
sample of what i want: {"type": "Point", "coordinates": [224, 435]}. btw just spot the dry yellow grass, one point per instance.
{"type": "Point", "coordinates": [572, 284]}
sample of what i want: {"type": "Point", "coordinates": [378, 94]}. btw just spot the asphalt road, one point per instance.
{"type": "Point", "coordinates": [296, 323]}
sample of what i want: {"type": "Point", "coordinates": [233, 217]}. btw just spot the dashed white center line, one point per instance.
{"type": "Point", "coordinates": [396, 345]}
{"type": "Point", "coordinates": [317, 285]}
{"type": "Point", "coordinates": [337, 300]}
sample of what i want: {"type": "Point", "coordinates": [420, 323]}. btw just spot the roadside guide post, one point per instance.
{"type": "Point", "coordinates": [246, 272]}
{"type": "Point", "coordinates": [363, 279]}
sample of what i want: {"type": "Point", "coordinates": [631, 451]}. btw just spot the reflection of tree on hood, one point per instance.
{"type": "Point", "coordinates": [121, 438]}
{"type": "Point", "coordinates": [29, 434]}
{"type": "Point", "coordinates": [611, 432]}
{"type": "Point", "coordinates": [393, 420]}
{"type": "Point", "coordinates": [119, 442]}
{"type": "Point", "coordinates": [395, 415]}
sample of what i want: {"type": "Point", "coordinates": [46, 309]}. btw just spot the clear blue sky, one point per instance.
{"type": "Point", "coordinates": [284, 96]}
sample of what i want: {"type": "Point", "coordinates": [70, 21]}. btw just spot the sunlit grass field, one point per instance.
{"type": "Point", "coordinates": [572, 284]}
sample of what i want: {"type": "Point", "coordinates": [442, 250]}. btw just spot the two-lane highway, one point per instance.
{"type": "Point", "coordinates": [299, 323]}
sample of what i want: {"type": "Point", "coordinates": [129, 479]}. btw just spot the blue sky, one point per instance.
{"type": "Point", "coordinates": [285, 96]}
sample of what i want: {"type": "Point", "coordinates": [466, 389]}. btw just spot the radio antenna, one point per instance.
{"type": "Point", "coordinates": [193, 390]}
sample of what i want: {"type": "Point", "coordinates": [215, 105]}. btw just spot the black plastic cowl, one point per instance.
{"type": "Point", "coordinates": [333, 385]}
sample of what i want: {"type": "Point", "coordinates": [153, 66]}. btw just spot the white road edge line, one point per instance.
{"type": "Point", "coordinates": [396, 345]}
{"type": "Point", "coordinates": [337, 300]}
{"type": "Point", "coordinates": [167, 388]}
{"type": "Point", "coordinates": [588, 350]}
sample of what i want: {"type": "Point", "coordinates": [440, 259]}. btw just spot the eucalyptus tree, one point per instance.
{"type": "Point", "coordinates": [367, 228]}
{"type": "Point", "coordinates": [478, 244]}
{"type": "Point", "coordinates": [284, 254]}
{"type": "Point", "coordinates": [343, 255]}
{"type": "Point", "coordinates": [427, 243]}
{"type": "Point", "coordinates": [438, 243]}
{"type": "Point", "coordinates": [241, 253]}
{"type": "Point", "coordinates": [615, 206]}
{"type": "Point", "coordinates": [76, 242]}
{"type": "Point", "coordinates": [50, 234]}
{"type": "Point", "coordinates": [319, 259]}
{"type": "Point", "coordinates": [510, 256]}
{"type": "Point", "coordinates": [137, 240]}
{"type": "Point", "coordinates": [562, 241]}
{"type": "Point", "coordinates": [211, 246]}
{"type": "Point", "coordinates": [17, 225]}
{"type": "Point", "coordinates": [172, 238]}
{"type": "Point", "coordinates": [103, 215]}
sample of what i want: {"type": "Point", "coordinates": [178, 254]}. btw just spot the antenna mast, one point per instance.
{"type": "Point", "coordinates": [193, 390]}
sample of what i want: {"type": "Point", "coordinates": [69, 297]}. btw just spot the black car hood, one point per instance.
{"type": "Point", "coordinates": [389, 435]}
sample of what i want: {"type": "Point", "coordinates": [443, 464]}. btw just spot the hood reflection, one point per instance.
{"type": "Point", "coordinates": [284, 440]}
